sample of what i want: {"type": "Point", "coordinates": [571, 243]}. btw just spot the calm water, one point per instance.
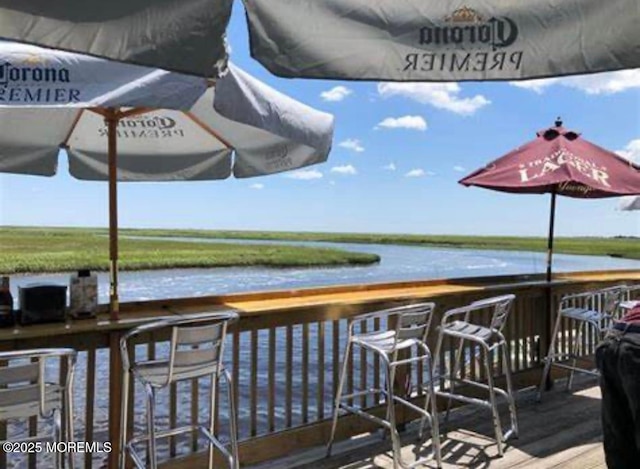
{"type": "Point", "coordinates": [398, 263]}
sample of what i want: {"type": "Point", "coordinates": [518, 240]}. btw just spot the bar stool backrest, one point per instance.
{"type": "Point", "coordinates": [27, 377]}
{"type": "Point", "coordinates": [196, 344]}
{"type": "Point", "coordinates": [612, 297]}
{"type": "Point", "coordinates": [502, 306]}
{"type": "Point", "coordinates": [413, 321]}
{"type": "Point", "coordinates": [632, 292]}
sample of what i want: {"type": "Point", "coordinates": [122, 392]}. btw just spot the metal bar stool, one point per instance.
{"type": "Point", "coordinates": [409, 335]}
{"type": "Point", "coordinates": [195, 351]}
{"type": "Point", "coordinates": [457, 325]}
{"type": "Point", "coordinates": [593, 310]}
{"type": "Point", "coordinates": [25, 392]}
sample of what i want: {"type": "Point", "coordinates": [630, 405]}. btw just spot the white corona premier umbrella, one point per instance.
{"type": "Point", "coordinates": [408, 40]}
{"type": "Point", "coordinates": [418, 40]}
{"type": "Point", "coordinates": [179, 35]}
{"type": "Point", "coordinates": [630, 203]}
{"type": "Point", "coordinates": [111, 120]}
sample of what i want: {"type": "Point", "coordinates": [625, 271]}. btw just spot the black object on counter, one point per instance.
{"type": "Point", "coordinates": [42, 302]}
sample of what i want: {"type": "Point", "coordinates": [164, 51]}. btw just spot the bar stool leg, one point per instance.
{"type": "Point", "coordinates": [573, 353]}
{"type": "Point", "coordinates": [151, 418]}
{"type": "Point", "coordinates": [506, 359]}
{"type": "Point", "coordinates": [233, 421]}
{"type": "Point", "coordinates": [124, 411]}
{"type": "Point", "coordinates": [212, 415]}
{"type": "Point", "coordinates": [57, 435]}
{"type": "Point", "coordinates": [549, 358]}
{"type": "Point", "coordinates": [435, 427]}
{"type": "Point", "coordinates": [454, 374]}
{"type": "Point", "coordinates": [391, 413]}
{"type": "Point", "coordinates": [338, 397]}
{"type": "Point", "coordinates": [427, 396]}
{"type": "Point", "coordinates": [494, 408]}
{"type": "Point", "coordinates": [68, 419]}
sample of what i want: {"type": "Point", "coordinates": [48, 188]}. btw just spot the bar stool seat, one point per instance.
{"type": "Point", "coordinates": [384, 341]}
{"type": "Point", "coordinates": [474, 332]}
{"type": "Point", "coordinates": [584, 314]}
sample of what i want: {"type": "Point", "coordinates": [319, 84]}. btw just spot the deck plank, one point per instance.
{"type": "Point", "coordinates": [561, 432]}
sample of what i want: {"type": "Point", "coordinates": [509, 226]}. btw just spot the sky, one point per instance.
{"type": "Point", "coordinates": [398, 152]}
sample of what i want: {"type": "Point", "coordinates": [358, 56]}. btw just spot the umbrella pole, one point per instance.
{"type": "Point", "coordinates": [111, 118]}
{"type": "Point", "coordinates": [548, 319]}
{"type": "Point", "coordinates": [552, 217]}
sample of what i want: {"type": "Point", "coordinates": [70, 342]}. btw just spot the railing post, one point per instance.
{"type": "Point", "coordinates": [115, 398]}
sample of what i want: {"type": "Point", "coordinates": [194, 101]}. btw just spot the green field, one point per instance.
{"type": "Point", "coordinates": [65, 249]}
{"type": "Point", "coordinates": [30, 250]}
{"type": "Point", "coordinates": [616, 247]}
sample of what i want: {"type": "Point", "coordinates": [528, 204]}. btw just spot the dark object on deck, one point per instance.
{"type": "Point", "coordinates": [41, 302]}
{"type": "Point", "coordinates": [618, 359]}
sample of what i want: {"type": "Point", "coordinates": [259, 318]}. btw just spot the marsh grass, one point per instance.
{"type": "Point", "coordinates": [625, 247]}
{"type": "Point", "coordinates": [30, 250]}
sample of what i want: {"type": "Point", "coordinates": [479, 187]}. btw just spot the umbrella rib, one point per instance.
{"type": "Point", "coordinates": [135, 112]}
{"type": "Point", "coordinates": [65, 142]}
{"type": "Point", "coordinates": [209, 130]}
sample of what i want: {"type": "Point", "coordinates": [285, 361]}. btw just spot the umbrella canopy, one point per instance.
{"type": "Point", "coordinates": [559, 161]}
{"type": "Point", "coordinates": [48, 100]}
{"type": "Point", "coordinates": [52, 99]}
{"type": "Point", "coordinates": [417, 40]}
{"type": "Point", "coordinates": [630, 203]}
{"type": "Point", "coordinates": [412, 40]}
{"type": "Point", "coordinates": [179, 35]}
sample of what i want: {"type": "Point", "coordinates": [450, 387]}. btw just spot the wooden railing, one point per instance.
{"type": "Point", "coordinates": [284, 355]}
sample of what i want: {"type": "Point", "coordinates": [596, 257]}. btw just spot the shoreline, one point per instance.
{"type": "Point", "coordinates": [43, 250]}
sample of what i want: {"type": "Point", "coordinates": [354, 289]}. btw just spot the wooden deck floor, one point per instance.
{"type": "Point", "coordinates": [561, 432]}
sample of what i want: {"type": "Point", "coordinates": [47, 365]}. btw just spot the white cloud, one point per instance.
{"type": "Point", "coordinates": [440, 95]}
{"type": "Point", "coordinates": [404, 122]}
{"type": "Point", "coordinates": [390, 167]}
{"type": "Point", "coordinates": [256, 186]}
{"type": "Point", "coordinates": [631, 151]}
{"type": "Point", "coordinates": [337, 93]}
{"type": "Point", "coordinates": [537, 85]}
{"type": "Point", "coordinates": [352, 144]}
{"type": "Point", "coordinates": [346, 169]}
{"type": "Point", "coordinates": [593, 84]}
{"type": "Point", "coordinates": [460, 169]}
{"type": "Point", "coordinates": [305, 174]}
{"type": "Point", "coordinates": [418, 173]}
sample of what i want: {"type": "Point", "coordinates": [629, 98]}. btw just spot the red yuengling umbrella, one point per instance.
{"type": "Point", "coordinates": [559, 161]}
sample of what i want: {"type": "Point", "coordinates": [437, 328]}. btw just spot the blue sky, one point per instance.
{"type": "Point", "coordinates": [399, 151]}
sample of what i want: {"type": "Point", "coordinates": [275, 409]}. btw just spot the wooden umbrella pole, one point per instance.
{"type": "Point", "coordinates": [111, 118]}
